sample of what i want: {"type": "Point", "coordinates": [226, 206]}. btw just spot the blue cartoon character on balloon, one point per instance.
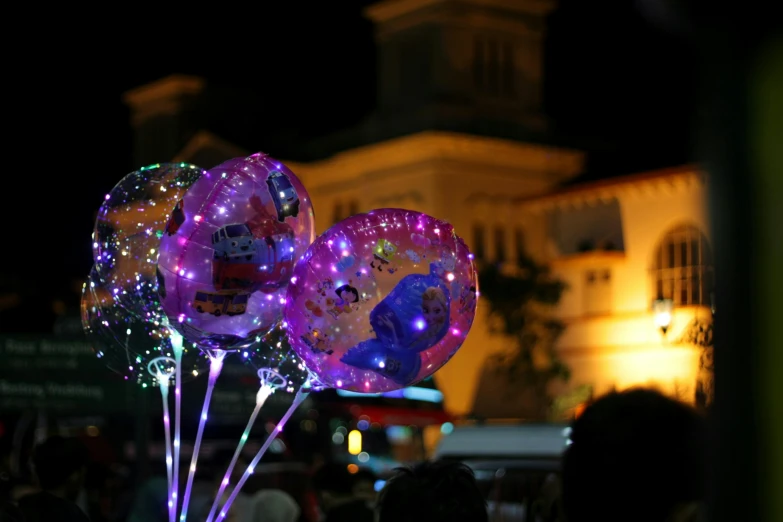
{"type": "Point", "coordinates": [412, 318]}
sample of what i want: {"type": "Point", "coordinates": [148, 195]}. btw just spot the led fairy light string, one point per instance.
{"type": "Point", "coordinates": [216, 362]}
{"type": "Point", "coordinates": [270, 381]}
{"type": "Point", "coordinates": [301, 395]}
{"type": "Point", "coordinates": [176, 345]}
{"type": "Point", "coordinates": [161, 368]}
{"type": "Point", "coordinates": [215, 366]}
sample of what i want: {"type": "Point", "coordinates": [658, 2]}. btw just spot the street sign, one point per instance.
{"type": "Point", "coordinates": [58, 374]}
{"type": "Point", "coordinates": [62, 374]}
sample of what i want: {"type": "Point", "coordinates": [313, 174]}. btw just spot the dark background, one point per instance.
{"type": "Point", "coordinates": [615, 84]}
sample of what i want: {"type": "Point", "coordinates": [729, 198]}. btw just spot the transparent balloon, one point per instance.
{"type": "Point", "coordinates": [273, 351]}
{"type": "Point", "coordinates": [381, 300]}
{"type": "Point", "coordinates": [131, 221]}
{"type": "Point", "coordinates": [225, 267]}
{"type": "Point", "coordinates": [139, 349]}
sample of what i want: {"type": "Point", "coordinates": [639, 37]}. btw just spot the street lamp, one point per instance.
{"type": "Point", "coordinates": [662, 313]}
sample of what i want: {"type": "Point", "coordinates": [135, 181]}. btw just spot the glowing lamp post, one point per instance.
{"type": "Point", "coordinates": [662, 313]}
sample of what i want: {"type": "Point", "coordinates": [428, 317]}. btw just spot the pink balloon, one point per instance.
{"type": "Point", "coordinates": [381, 300]}
{"type": "Point", "coordinates": [228, 251]}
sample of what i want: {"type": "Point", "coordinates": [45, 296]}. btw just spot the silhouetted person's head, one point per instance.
{"type": "Point", "coordinates": [437, 491]}
{"type": "Point", "coordinates": [364, 486]}
{"type": "Point", "coordinates": [10, 513]}
{"type": "Point", "coordinates": [334, 484]}
{"type": "Point", "coordinates": [60, 464]}
{"type": "Point", "coordinates": [636, 455]}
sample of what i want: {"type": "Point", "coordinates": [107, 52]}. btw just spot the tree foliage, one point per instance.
{"type": "Point", "coordinates": [699, 333]}
{"type": "Point", "coordinates": [520, 301]}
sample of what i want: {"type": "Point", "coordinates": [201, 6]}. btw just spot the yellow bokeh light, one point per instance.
{"type": "Point", "coordinates": [355, 442]}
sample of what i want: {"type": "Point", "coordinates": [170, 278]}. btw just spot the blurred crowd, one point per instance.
{"type": "Point", "coordinates": [64, 484]}
{"type": "Point", "coordinates": [634, 455]}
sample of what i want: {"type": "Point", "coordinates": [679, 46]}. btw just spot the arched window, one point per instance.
{"type": "Point", "coordinates": [683, 268]}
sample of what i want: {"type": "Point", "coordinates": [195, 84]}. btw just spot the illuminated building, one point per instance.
{"type": "Point", "coordinates": [458, 134]}
{"type": "Point", "coordinates": [620, 245]}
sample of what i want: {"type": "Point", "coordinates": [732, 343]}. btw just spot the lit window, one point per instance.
{"type": "Point", "coordinates": [598, 292]}
{"type": "Point", "coordinates": [682, 267]}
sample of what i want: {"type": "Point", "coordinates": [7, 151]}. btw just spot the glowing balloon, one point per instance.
{"type": "Point", "coordinates": [274, 352]}
{"type": "Point", "coordinates": [381, 300]}
{"type": "Point", "coordinates": [128, 344]}
{"type": "Point", "coordinates": [227, 262]}
{"type": "Point", "coordinates": [131, 221]}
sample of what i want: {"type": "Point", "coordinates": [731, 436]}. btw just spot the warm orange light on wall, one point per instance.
{"type": "Point", "coordinates": [663, 366]}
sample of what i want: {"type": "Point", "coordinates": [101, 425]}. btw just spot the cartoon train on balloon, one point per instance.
{"type": "Point", "coordinates": [257, 255]}
{"type": "Point", "coordinates": [243, 264]}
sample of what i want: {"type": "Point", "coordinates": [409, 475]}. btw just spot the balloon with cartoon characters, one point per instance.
{"type": "Point", "coordinates": [381, 300]}
{"type": "Point", "coordinates": [227, 258]}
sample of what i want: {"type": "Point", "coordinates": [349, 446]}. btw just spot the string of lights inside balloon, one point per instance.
{"type": "Point", "coordinates": [161, 369]}
{"type": "Point", "coordinates": [270, 380]}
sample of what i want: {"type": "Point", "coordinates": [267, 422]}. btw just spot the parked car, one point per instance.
{"type": "Point", "coordinates": [517, 467]}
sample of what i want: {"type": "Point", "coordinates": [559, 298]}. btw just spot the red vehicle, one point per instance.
{"type": "Point", "coordinates": [267, 270]}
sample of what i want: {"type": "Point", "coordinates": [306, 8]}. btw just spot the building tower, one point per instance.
{"type": "Point", "coordinates": [165, 115]}
{"type": "Point", "coordinates": [472, 66]}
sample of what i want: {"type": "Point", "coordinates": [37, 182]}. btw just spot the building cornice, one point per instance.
{"type": "Point", "coordinates": [164, 89]}
{"type": "Point", "coordinates": [161, 97]}
{"type": "Point", "coordinates": [426, 147]}
{"type": "Point", "coordinates": [388, 10]}
{"type": "Point", "coordinates": [589, 258]}
{"type": "Point", "coordinates": [205, 139]}
{"type": "Point", "coordinates": [498, 16]}
{"type": "Point", "coordinates": [675, 179]}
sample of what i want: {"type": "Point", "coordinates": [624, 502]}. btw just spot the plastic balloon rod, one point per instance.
{"type": "Point", "coordinates": [176, 344]}
{"type": "Point", "coordinates": [216, 365]}
{"type": "Point", "coordinates": [301, 395]}
{"type": "Point", "coordinates": [164, 395]}
{"type": "Point", "coordinates": [263, 394]}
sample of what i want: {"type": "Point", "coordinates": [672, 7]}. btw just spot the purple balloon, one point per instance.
{"type": "Point", "coordinates": [382, 300]}
{"type": "Point", "coordinates": [228, 251]}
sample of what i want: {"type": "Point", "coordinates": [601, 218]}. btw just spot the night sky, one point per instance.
{"type": "Point", "coordinates": [612, 80]}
